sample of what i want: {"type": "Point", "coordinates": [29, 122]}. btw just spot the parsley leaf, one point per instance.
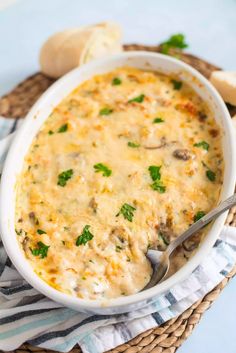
{"type": "Point", "coordinates": [133, 144]}
{"type": "Point", "coordinates": [41, 250]}
{"type": "Point", "coordinates": [175, 41]}
{"type": "Point", "coordinates": [211, 175]}
{"type": "Point", "coordinates": [99, 167]}
{"type": "Point", "coordinates": [50, 132]}
{"type": "Point", "coordinates": [20, 232]}
{"type": "Point", "coordinates": [138, 99]}
{"type": "Point", "coordinates": [158, 186]}
{"type": "Point", "coordinates": [118, 248]}
{"type": "Point", "coordinates": [205, 165]}
{"type": "Point", "coordinates": [155, 172]}
{"type": "Point", "coordinates": [63, 177]}
{"type": "Point", "coordinates": [106, 111]}
{"type": "Point", "coordinates": [198, 215]}
{"type": "Point", "coordinates": [176, 84]}
{"type": "Point", "coordinates": [163, 238]}
{"type": "Point", "coordinates": [158, 120]}
{"type": "Point", "coordinates": [127, 211]}
{"type": "Point", "coordinates": [63, 128]}
{"type": "Point", "coordinates": [202, 144]}
{"type": "Point", "coordinates": [116, 81]}
{"type": "Point", "coordinates": [40, 231]}
{"type": "Point", "coordinates": [84, 237]}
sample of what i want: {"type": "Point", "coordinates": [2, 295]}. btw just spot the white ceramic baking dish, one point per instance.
{"type": "Point", "coordinates": [32, 124]}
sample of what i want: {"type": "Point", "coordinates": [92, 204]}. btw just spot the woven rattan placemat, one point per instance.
{"type": "Point", "coordinates": [169, 336]}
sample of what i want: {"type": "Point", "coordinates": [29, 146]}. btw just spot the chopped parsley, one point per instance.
{"type": "Point", "coordinates": [205, 165]}
{"type": "Point", "coordinates": [176, 84]}
{"type": "Point", "coordinates": [50, 132]}
{"type": "Point", "coordinates": [99, 167]}
{"type": "Point", "coordinates": [33, 218]}
{"type": "Point", "coordinates": [154, 171]}
{"type": "Point", "coordinates": [155, 174]}
{"type": "Point", "coordinates": [138, 99]}
{"type": "Point", "coordinates": [210, 175]}
{"type": "Point", "coordinates": [158, 186]}
{"type": "Point", "coordinates": [176, 41]}
{"type": "Point", "coordinates": [116, 81]}
{"type": "Point", "coordinates": [198, 215]}
{"type": "Point", "coordinates": [20, 232]}
{"type": "Point", "coordinates": [84, 237]}
{"type": "Point", "coordinates": [127, 211]}
{"type": "Point", "coordinates": [163, 238]}
{"type": "Point", "coordinates": [133, 144]}
{"type": "Point", "coordinates": [63, 177]}
{"type": "Point", "coordinates": [41, 250]}
{"type": "Point", "coordinates": [63, 128]}
{"type": "Point", "coordinates": [202, 144]}
{"type": "Point", "coordinates": [40, 231]}
{"type": "Point", "coordinates": [105, 111]}
{"type": "Point", "coordinates": [158, 120]}
{"type": "Point", "coordinates": [118, 248]}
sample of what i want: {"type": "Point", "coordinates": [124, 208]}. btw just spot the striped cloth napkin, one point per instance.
{"type": "Point", "coordinates": [28, 316]}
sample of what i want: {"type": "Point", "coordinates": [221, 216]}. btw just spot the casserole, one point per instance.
{"type": "Point", "coordinates": [103, 177]}
{"type": "Point", "coordinates": [33, 122]}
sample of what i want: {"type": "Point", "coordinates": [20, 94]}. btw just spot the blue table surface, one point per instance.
{"type": "Point", "coordinates": [210, 29]}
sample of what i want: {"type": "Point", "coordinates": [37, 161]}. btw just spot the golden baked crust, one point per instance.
{"type": "Point", "coordinates": [128, 160]}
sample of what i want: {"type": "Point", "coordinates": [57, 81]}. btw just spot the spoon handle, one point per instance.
{"type": "Point", "coordinates": [222, 207]}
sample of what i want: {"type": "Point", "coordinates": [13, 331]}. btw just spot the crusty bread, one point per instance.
{"type": "Point", "coordinates": [66, 50]}
{"type": "Point", "coordinates": [225, 83]}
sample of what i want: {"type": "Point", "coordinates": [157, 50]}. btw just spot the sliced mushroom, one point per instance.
{"type": "Point", "coordinates": [214, 132]}
{"type": "Point", "coordinates": [133, 78]}
{"type": "Point", "coordinates": [166, 229]}
{"type": "Point", "coordinates": [119, 233]}
{"type": "Point", "coordinates": [26, 246]}
{"type": "Point", "coordinates": [165, 234]}
{"type": "Point", "coordinates": [33, 218]}
{"type": "Point", "coordinates": [202, 117]}
{"type": "Point", "coordinates": [31, 215]}
{"type": "Point", "coordinates": [161, 145]}
{"type": "Point", "coordinates": [183, 154]}
{"type": "Point", "coordinates": [192, 243]}
{"type": "Point", "coordinates": [93, 204]}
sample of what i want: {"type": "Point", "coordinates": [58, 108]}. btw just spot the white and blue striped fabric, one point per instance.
{"type": "Point", "coordinates": [27, 316]}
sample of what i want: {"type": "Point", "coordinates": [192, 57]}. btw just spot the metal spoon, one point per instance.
{"type": "Point", "coordinates": [160, 260]}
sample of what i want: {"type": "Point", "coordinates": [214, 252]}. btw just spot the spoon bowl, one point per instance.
{"type": "Point", "coordinates": [160, 266]}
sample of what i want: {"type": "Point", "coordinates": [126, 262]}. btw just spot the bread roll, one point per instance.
{"type": "Point", "coordinates": [225, 83]}
{"type": "Point", "coordinates": [66, 50]}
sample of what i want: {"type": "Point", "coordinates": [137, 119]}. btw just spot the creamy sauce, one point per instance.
{"type": "Point", "coordinates": [127, 161]}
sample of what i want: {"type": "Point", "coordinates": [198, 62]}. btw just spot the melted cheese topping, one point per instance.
{"type": "Point", "coordinates": [91, 157]}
